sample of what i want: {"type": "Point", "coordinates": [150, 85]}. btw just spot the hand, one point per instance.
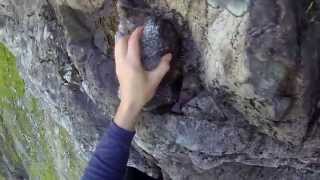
{"type": "Point", "coordinates": [137, 86]}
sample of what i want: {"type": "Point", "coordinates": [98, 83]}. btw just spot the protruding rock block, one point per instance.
{"type": "Point", "coordinates": [159, 37]}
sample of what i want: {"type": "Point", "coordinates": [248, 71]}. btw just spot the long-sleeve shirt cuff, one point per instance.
{"type": "Point", "coordinates": [120, 134]}
{"type": "Point", "coordinates": [111, 155]}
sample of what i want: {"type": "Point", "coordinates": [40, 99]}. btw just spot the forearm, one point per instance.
{"type": "Point", "coordinates": [111, 155]}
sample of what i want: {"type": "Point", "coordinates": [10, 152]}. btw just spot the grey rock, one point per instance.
{"type": "Point", "coordinates": [159, 37]}
{"type": "Point", "coordinates": [242, 172]}
{"type": "Point", "coordinates": [275, 67]}
{"type": "Point", "coordinates": [85, 5]}
{"type": "Point", "coordinates": [266, 83]}
{"type": "Point", "coordinates": [236, 7]}
{"type": "Point", "coordinates": [240, 102]}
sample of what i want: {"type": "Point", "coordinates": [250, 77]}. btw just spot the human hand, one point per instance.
{"type": "Point", "coordinates": [137, 86]}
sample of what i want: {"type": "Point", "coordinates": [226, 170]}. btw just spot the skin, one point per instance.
{"type": "Point", "coordinates": [137, 86]}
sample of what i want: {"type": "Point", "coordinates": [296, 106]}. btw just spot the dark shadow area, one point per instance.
{"type": "Point", "coordinates": [134, 174]}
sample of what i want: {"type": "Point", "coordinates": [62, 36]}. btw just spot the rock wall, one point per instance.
{"type": "Point", "coordinates": [243, 103]}
{"type": "Point", "coordinates": [33, 145]}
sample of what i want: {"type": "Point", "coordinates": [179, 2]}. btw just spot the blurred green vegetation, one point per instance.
{"type": "Point", "coordinates": [32, 145]}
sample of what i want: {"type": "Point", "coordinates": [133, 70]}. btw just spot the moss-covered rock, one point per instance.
{"type": "Point", "coordinates": [32, 145]}
{"type": "Point", "coordinates": [11, 85]}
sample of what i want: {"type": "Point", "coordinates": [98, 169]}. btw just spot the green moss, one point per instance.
{"type": "Point", "coordinates": [74, 164]}
{"type": "Point", "coordinates": [28, 138]}
{"type": "Point", "coordinates": [11, 85]}
{"type": "Point", "coordinates": [42, 170]}
{"type": "Point", "coordinates": [9, 150]}
{"type": "Point", "coordinates": [42, 159]}
{"type": "Point", "coordinates": [11, 88]}
{"type": "Point", "coordinates": [25, 139]}
{"type": "Point", "coordinates": [2, 177]}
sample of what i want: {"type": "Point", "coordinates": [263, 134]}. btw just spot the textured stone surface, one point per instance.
{"type": "Point", "coordinates": [160, 37]}
{"type": "Point", "coordinates": [85, 5]}
{"type": "Point", "coordinates": [241, 100]}
{"type": "Point", "coordinates": [236, 7]}
{"type": "Point", "coordinates": [33, 145]}
{"type": "Point", "coordinates": [267, 82]}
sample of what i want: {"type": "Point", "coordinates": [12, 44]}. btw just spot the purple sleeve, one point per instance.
{"type": "Point", "coordinates": [110, 158]}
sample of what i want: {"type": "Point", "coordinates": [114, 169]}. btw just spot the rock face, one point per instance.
{"type": "Point", "coordinates": [160, 37]}
{"type": "Point", "coordinates": [240, 101]}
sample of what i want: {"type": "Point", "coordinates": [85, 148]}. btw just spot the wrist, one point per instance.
{"type": "Point", "coordinates": [131, 107]}
{"type": "Point", "coordinates": [126, 116]}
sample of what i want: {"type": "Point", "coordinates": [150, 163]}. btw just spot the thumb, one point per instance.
{"type": "Point", "coordinates": [161, 70]}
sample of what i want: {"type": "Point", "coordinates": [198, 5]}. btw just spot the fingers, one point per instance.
{"type": "Point", "coordinates": [119, 93]}
{"type": "Point", "coordinates": [157, 74]}
{"type": "Point", "coordinates": [121, 48]}
{"type": "Point", "coordinates": [134, 45]}
{"type": "Point", "coordinates": [129, 45]}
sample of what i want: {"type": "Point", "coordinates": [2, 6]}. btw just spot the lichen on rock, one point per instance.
{"type": "Point", "coordinates": [11, 85]}
{"type": "Point", "coordinates": [32, 146]}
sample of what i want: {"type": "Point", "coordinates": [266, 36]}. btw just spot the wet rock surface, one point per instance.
{"type": "Point", "coordinates": [241, 100]}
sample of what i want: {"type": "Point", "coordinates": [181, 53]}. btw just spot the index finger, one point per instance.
{"type": "Point", "coordinates": [134, 43]}
{"type": "Point", "coordinates": [121, 48]}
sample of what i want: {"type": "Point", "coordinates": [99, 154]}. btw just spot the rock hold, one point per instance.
{"type": "Point", "coordinates": [159, 37]}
